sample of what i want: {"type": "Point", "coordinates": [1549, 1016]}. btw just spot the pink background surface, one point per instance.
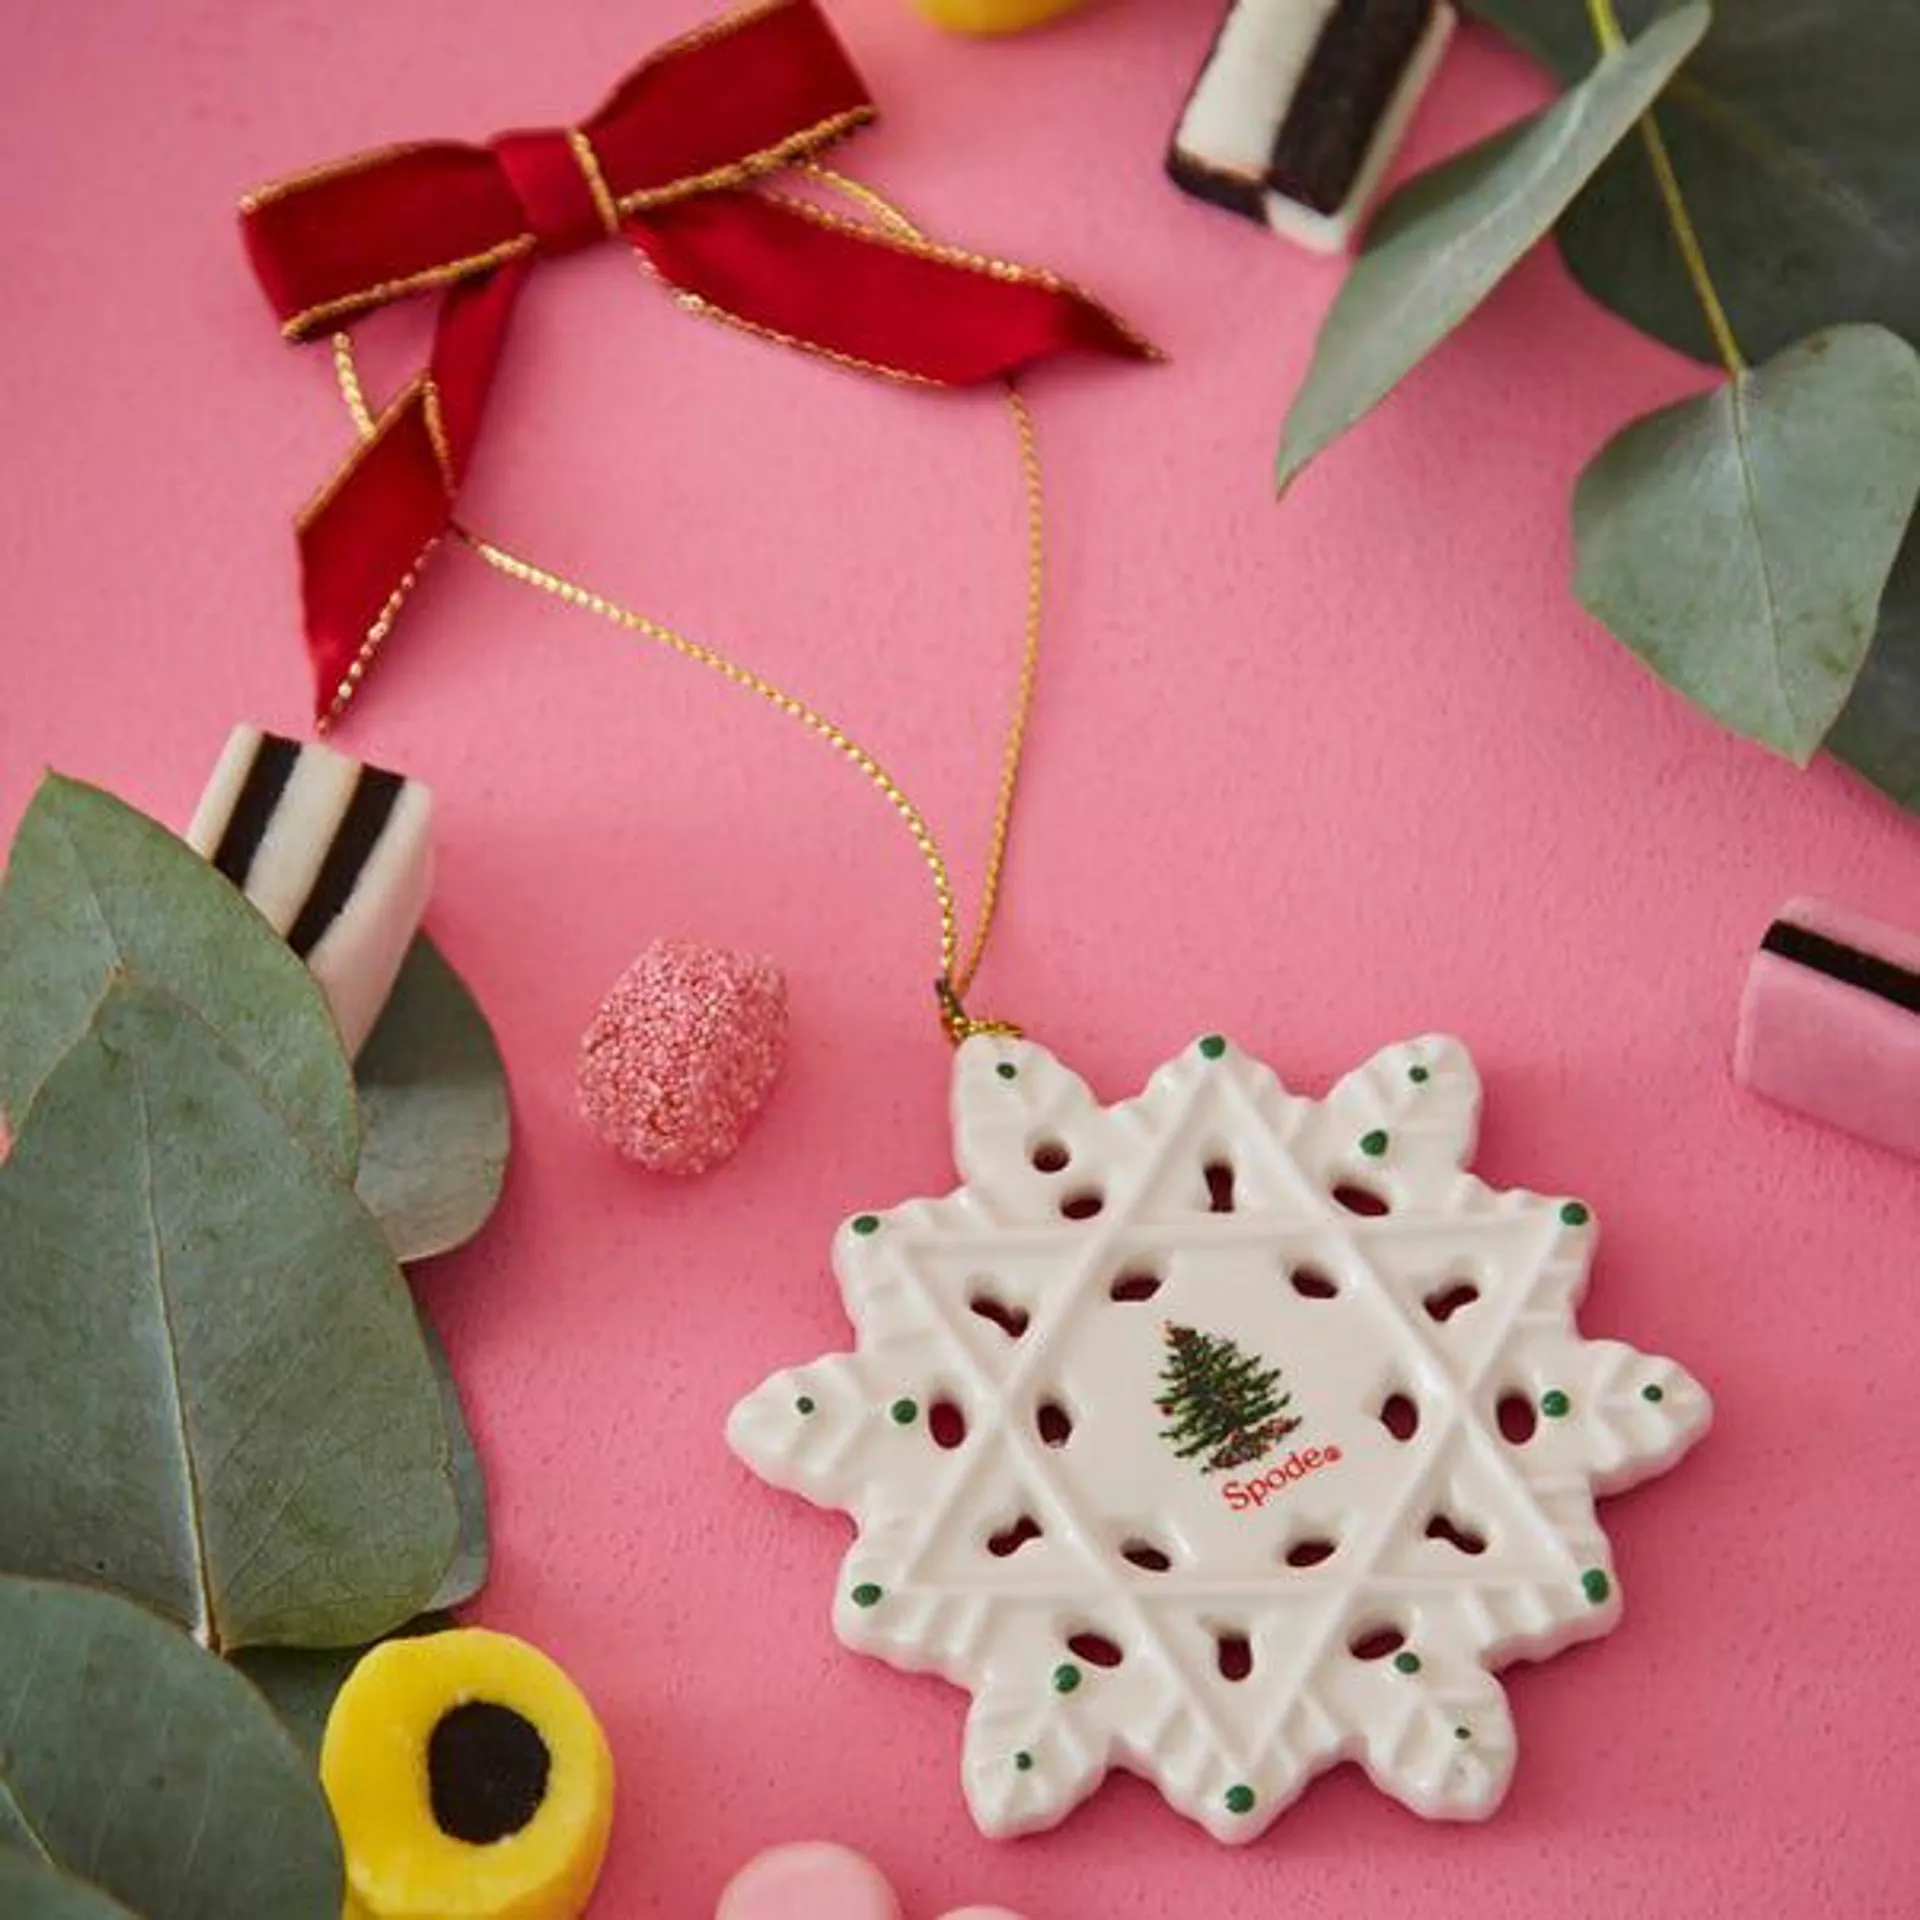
{"type": "Point", "coordinates": [1322, 776]}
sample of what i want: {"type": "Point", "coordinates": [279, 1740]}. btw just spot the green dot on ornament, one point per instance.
{"type": "Point", "coordinates": [866, 1594]}
{"type": "Point", "coordinates": [904, 1413]}
{"type": "Point", "coordinates": [866, 1223]}
{"type": "Point", "coordinates": [1555, 1404]}
{"type": "Point", "coordinates": [1595, 1585]}
{"type": "Point", "coordinates": [1023, 1760]}
{"type": "Point", "coordinates": [1373, 1144]}
{"type": "Point", "coordinates": [804, 1404]}
{"type": "Point", "coordinates": [1213, 1046]}
{"type": "Point", "coordinates": [1240, 1799]}
{"type": "Point", "coordinates": [1419, 1075]}
{"type": "Point", "coordinates": [1407, 1662]}
{"type": "Point", "coordinates": [1655, 1394]}
{"type": "Point", "coordinates": [1463, 1733]}
{"type": "Point", "coordinates": [1007, 1070]}
{"type": "Point", "coordinates": [1576, 1213]}
{"type": "Point", "coordinates": [1066, 1677]}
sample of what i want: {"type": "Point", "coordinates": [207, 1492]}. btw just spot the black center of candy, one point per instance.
{"type": "Point", "coordinates": [487, 1772]}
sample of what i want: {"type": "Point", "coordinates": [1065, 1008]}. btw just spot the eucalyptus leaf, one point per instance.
{"type": "Point", "coordinates": [300, 1683]}
{"type": "Point", "coordinates": [1879, 733]}
{"type": "Point", "coordinates": [148, 1769]}
{"type": "Point", "coordinates": [14, 1831]}
{"type": "Point", "coordinates": [1792, 133]}
{"type": "Point", "coordinates": [1739, 541]}
{"type": "Point", "coordinates": [466, 1572]}
{"type": "Point", "coordinates": [1451, 235]}
{"type": "Point", "coordinates": [213, 1393]}
{"type": "Point", "coordinates": [433, 1111]}
{"type": "Point", "coordinates": [34, 1889]}
{"type": "Point", "coordinates": [96, 892]}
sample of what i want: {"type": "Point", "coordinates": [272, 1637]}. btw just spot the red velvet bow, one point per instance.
{"type": "Point", "coordinates": [669, 163]}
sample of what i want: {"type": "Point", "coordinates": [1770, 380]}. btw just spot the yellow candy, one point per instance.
{"type": "Point", "coordinates": [469, 1780]}
{"type": "Point", "coordinates": [994, 16]}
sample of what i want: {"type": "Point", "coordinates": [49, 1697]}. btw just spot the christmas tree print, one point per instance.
{"type": "Point", "coordinates": [1220, 1401]}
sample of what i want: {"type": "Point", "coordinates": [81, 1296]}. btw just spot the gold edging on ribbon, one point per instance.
{"type": "Point", "coordinates": [707, 30]}
{"type": "Point", "coordinates": [705, 309]}
{"type": "Point", "coordinates": [303, 325]}
{"type": "Point", "coordinates": [750, 167]}
{"type": "Point", "coordinates": [915, 243]}
{"type": "Point", "coordinates": [264, 196]}
{"type": "Point", "coordinates": [389, 417]}
{"type": "Point", "coordinates": [383, 625]}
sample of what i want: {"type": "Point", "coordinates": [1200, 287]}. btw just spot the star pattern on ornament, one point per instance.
{"type": "Point", "coordinates": [1221, 1435]}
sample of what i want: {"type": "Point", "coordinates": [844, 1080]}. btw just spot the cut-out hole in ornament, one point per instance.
{"type": "Point", "coordinates": [1083, 1205]}
{"type": "Point", "coordinates": [1146, 1556]}
{"type": "Point", "coordinates": [1012, 1321]}
{"type": "Point", "coordinates": [1311, 1284]}
{"type": "Point", "coordinates": [1400, 1416]}
{"type": "Point", "coordinates": [1311, 1553]}
{"type": "Point", "coordinates": [1095, 1649]}
{"type": "Point", "coordinates": [1448, 1301]}
{"type": "Point", "coordinates": [1219, 1186]}
{"type": "Point", "coordinates": [1051, 1156]}
{"type": "Point", "coordinates": [1135, 1284]}
{"type": "Point", "coordinates": [1054, 1422]}
{"type": "Point", "coordinates": [1009, 1540]}
{"type": "Point", "coordinates": [1364, 1201]}
{"type": "Point", "coordinates": [1233, 1655]}
{"type": "Point", "coordinates": [1375, 1643]}
{"type": "Point", "coordinates": [1517, 1418]}
{"type": "Point", "coordinates": [947, 1424]}
{"type": "Point", "coordinates": [1444, 1527]}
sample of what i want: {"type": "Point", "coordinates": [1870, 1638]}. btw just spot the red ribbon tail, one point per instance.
{"type": "Point", "coordinates": [363, 540]}
{"type": "Point", "coordinates": [365, 537]}
{"type": "Point", "coordinates": [886, 303]}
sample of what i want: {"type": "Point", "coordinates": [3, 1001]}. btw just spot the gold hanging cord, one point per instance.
{"type": "Point", "coordinates": [959, 964]}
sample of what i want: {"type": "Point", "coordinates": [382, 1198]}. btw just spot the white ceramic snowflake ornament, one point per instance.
{"type": "Point", "coordinates": [1221, 1435]}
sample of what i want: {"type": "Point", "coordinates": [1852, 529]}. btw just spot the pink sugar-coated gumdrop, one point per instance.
{"type": "Point", "coordinates": [984, 1913]}
{"type": "Point", "coordinates": [682, 1053]}
{"type": "Point", "coordinates": [814, 1880]}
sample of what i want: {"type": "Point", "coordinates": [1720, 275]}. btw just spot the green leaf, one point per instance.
{"type": "Point", "coordinates": [1739, 542]}
{"type": "Point", "coordinates": [1879, 733]}
{"type": "Point", "coordinates": [146, 1768]}
{"type": "Point", "coordinates": [466, 1572]}
{"type": "Point", "coordinates": [433, 1109]}
{"type": "Point", "coordinates": [33, 1889]}
{"type": "Point", "coordinates": [95, 892]}
{"type": "Point", "coordinates": [1450, 236]}
{"type": "Point", "coordinates": [1792, 132]}
{"type": "Point", "coordinates": [300, 1683]}
{"type": "Point", "coordinates": [213, 1392]}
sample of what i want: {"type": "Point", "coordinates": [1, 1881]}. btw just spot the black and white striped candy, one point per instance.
{"type": "Point", "coordinates": [1300, 107]}
{"type": "Point", "coordinates": [338, 856]}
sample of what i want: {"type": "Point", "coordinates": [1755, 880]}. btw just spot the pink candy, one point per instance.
{"type": "Point", "coordinates": [683, 1051]}
{"type": "Point", "coordinates": [1830, 1023]}
{"type": "Point", "coordinates": [819, 1881]}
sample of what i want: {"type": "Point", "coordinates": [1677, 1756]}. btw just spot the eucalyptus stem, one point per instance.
{"type": "Point", "coordinates": [1606, 27]}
